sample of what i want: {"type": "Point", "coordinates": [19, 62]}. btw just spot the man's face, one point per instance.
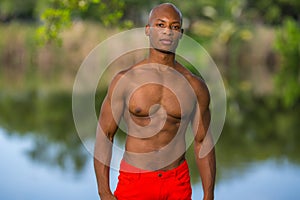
{"type": "Point", "coordinates": [164, 29]}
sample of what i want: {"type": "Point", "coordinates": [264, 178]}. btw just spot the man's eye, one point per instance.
{"type": "Point", "coordinates": [175, 27]}
{"type": "Point", "coordinates": [161, 25]}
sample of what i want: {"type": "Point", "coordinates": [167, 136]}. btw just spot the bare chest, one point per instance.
{"type": "Point", "coordinates": [150, 98]}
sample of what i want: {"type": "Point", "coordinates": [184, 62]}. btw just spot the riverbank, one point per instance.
{"type": "Point", "coordinates": [252, 62]}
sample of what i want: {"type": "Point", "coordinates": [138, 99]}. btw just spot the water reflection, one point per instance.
{"type": "Point", "coordinates": [47, 120]}
{"type": "Point", "coordinates": [253, 135]}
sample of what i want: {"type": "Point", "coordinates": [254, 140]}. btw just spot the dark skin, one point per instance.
{"type": "Point", "coordinates": [144, 106]}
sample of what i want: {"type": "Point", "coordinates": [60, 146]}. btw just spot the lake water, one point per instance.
{"type": "Point", "coordinates": [42, 156]}
{"type": "Point", "coordinates": [22, 178]}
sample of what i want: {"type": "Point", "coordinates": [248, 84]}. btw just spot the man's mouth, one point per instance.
{"type": "Point", "coordinates": [166, 41]}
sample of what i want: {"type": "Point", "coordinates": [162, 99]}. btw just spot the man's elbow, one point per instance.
{"type": "Point", "coordinates": [203, 147]}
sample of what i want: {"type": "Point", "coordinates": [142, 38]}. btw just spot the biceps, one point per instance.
{"type": "Point", "coordinates": [110, 116]}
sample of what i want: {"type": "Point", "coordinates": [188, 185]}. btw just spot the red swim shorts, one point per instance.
{"type": "Point", "coordinates": [172, 184]}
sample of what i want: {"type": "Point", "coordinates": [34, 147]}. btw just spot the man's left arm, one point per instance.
{"type": "Point", "coordinates": [203, 141]}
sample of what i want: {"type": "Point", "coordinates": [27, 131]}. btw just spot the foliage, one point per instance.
{"type": "Point", "coordinates": [288, 78]}
{"type": "Point", "coordinates": [56, 15]}
{"type": "Point", "coordinates": [10, 9]}
{"type": "Point", "coordinates": [60, 14]}
{"type": "Point", "coordinates": [272, 11]}
{"type": "Point", "coordinates": [54, 21]}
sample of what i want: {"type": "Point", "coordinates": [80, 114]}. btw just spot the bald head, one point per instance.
{"type": "Point", "coordinates": [164, 27]}
{"type": "Point", "coordinates": [163, 8]}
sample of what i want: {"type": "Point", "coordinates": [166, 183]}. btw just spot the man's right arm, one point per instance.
{"type": "Point", "coordinates": [107, 127]}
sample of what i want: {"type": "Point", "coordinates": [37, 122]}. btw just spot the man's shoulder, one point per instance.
{"type": "Point", "coordinates": [196, 82]}
{"type": "Point", "coordinates": [199, 86]}
{"type": "Point", "coordinates": [123, 77]}
{"type": "Point", "coordinates": [129, 69]}
{"type": "Point", "coordinates": [118, 76]}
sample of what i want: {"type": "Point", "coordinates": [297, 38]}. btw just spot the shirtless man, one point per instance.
{"type": "Point", "coordinates": [157, 98]}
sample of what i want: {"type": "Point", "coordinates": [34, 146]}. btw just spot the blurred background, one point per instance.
{"type": "Point", "coordinates": [255, 44]}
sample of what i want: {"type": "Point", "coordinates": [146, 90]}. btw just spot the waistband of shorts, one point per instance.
{"type": "Point", "coordinates": [127, 168]}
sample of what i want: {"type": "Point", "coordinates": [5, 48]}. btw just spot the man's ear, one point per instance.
{"type": "Point", "coordinates": [147, 30]}
{"type": "Point", "coordinates": [182, 30]}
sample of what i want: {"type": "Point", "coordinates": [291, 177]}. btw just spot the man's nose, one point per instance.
{"type": "Point", "coordinates": [168, 31]}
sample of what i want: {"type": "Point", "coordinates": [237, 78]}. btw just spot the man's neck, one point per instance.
{"type": "Point", "coordinates": [163, 58]}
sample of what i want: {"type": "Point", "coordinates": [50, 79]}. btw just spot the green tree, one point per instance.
{"type": "Point", "coordinates": [272, 11]}
{"type": "Point", "coordinates": [59, 15]}
{"type": "Point", "coordinates": [288, 78]}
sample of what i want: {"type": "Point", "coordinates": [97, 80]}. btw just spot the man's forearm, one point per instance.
{"type": "Point", "coordinates": [102, 175]}
{"type": "Point", "coordinates": [102, 158]}
{"type": "Point", "coordinates": [207, 170]}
